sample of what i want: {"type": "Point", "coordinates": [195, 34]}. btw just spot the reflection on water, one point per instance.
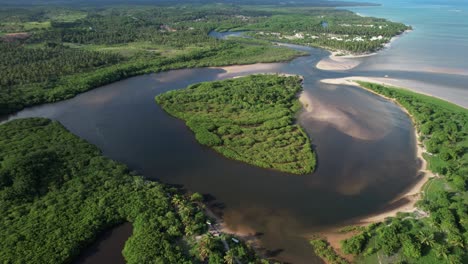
{"type": "Point", "coordinates": [342, 117]}
{"type": "Point", "coordinates": [108, 247]}
{"type": "Point", "coordinates": [365, 147]}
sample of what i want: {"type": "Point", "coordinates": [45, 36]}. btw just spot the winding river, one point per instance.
{"type": "Point", "coordinates": [365, 147]}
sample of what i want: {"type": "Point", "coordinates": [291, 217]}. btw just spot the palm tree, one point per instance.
{"type": "Point", "coordinates": [455, 240]}
{"type": "Point", "coordinates": [426, 238]}
{"type": "Point", "coordinates": [229, 258]}
{"type": "Point", "coordinates": [204, 247]}
{"type": "Point", "coordinates": [441, 251]}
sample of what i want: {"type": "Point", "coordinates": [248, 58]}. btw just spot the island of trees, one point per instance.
{"type": "Point", "coordinates": [440, 235]}
{"type": "Point", "coordinates": [57, 193]}
{"type": "Point", "coordinates": [250, 119]}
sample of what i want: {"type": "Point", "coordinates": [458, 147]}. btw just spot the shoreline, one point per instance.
{"type": "Point", "coordinates": [406, 201]}
{"type": "Point", "coordinates": [397, 83]}
{"type": "Point", "coordinates": [403, 203]}
{"type": "Point", "coordinates": [220, 227]}
{"type": "Point", "coordinates": [349, 61]}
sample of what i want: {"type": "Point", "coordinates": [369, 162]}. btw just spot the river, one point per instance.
{"type": "Point", "coordinates": [365, 147]}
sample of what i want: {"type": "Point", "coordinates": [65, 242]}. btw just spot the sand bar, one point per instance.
{"type": "Point", "coordinates": [340, 63]}
{"type": "Point", "coordinates": [450, 94]}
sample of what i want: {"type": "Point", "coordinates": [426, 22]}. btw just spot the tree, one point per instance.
{"type": "Point", "coordinates": [441, 251]}
{"type": "Point", "coordinates": [426, 237]}
{"type": "Point", "coordinates": [229, 258]}
{"type": "Point", "coordinates": [410, 248]}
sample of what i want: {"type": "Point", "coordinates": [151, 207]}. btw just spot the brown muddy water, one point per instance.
{"type": "Point", "coordinates": [365, 147]}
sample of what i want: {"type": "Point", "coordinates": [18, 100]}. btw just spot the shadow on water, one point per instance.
{"type": "Point", "coordinates": [366, 148]}
{"type": "Point", "coordinates": [108, 247]}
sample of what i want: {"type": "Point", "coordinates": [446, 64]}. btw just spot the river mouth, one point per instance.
{"type": "Point", "coordinates": [365, 147]}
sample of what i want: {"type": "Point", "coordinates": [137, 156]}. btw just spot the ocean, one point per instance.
{"type": "Point", "coordinates": [433, 57]}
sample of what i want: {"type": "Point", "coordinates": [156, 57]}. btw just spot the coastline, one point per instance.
{"type": "Point", "coordinates": [417, 87]}
{"type": "Point", "coordinates": [350, 61]}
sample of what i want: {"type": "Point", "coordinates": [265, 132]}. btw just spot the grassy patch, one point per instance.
{"type": "Point", "coordinates": [13, 27]}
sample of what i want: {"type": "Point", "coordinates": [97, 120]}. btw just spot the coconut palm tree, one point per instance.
{"type": "Point", "coordinates": [426, 238]}
{"type": "Point", "coordinates": [441, 251]}
{"type": "Point", "coordinates": [229, 258]}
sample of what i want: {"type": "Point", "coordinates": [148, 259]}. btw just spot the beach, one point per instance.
{"type": "Point", "coordinates": [404, 203]}
{"type": "Point", "coordinates": [407, 200]}
{"type": "Point", "coordinates": [456, 96]}
{"type": "Point", "coordinates": [343, 61]}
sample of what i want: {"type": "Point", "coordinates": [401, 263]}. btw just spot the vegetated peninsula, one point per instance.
{"type": "Point", "coordinates": [58, 193]}
{"type": "Point", "coordinates": [440, 233]}
{"type": "Point", "coordinates": [250, 119]}
{"type": "Point", "coordinates": [332, 29]}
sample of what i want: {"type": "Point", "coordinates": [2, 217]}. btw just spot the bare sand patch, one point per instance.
{"type": "Point", "coordinates": [230, 71]}
{"type": "Point", "coordinates": [450, 94]}
{"type": "Point", "coordinates": [340, 63]}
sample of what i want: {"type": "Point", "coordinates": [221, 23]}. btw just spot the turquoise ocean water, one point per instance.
{"type": "Point", "coordinates": [438, 44]}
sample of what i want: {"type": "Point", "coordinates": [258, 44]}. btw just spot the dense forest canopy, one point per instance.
{"type": "Point", "coordinates": [327, 3]}
{"type": "Point", "coordinates": [250, 119]}
{"type": "Point", "coordinates": [53, 53]}
{"type": "Point", "coordinates": [57, 193]}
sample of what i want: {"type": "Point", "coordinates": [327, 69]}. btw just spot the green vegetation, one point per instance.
{"type": "Point", "coordinates": [57, 193]}
{"type": "Point", "coordinates": [441, 234]}
{"type": "Point", "coordinates": [41, 48]}
{"type": "Point", "coordinates": [328, 28]}
{"type": "Point", "coordinates": [325, 251]}
{"type": "Point", "coordinates": [248, 119]}
{"type": "Point", "coordinates": [348, 229]}
{"type": "Point", "coordinates": [83, 49]}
